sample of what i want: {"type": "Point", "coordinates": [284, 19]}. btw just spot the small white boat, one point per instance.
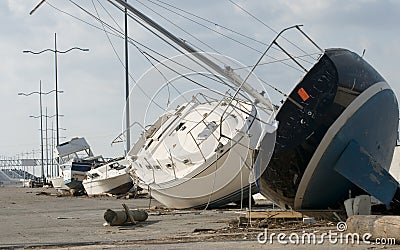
{"type": "Point", "coordinates": [75, 158]}
{"type": "Point", "coordinates": [112, 178]}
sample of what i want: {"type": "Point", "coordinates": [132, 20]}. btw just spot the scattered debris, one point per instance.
{"type": "Point", "coordinates": [309, 220]}
{"type": "Point", "coordinates": [67, 218]}
{"type": "Point", "coordinates": [332, 215]}
{"type": "Point", "coordinates": [275, 214]}
{"type": "Point", "coordinates": [360, 205]}
{"type": "Point", "coordinates": [43, 193]}
{"type": "Point", "coordinates": [77, 192]}
{"type": "Point", "coordinates": [208, 230]}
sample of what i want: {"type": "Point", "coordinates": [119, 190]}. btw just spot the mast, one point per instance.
{"type": "Point", "coordinates": [228, 73]}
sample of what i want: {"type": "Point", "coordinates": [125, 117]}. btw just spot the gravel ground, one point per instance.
{"type": "Point", "coordinates": [48, 221]}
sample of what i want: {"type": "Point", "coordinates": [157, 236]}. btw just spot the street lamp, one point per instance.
{"type": "Point", "coordinates": [55, 51]}
{"type": "Point", "coordinates": [54, 171]}
{"type": "Point", "coordinates": [47, 138]}
{"type": "Point", "coordinates": [40, 93]}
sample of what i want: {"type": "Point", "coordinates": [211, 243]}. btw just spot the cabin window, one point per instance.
{"type": "Point", "coordinates": [117, 166]}
{"type": "Point", "coordinates": [207, 131]}
{"type": "Point", "coordinates": [180, 126]}
{"type": "Point", "coordinates": [148, 145]}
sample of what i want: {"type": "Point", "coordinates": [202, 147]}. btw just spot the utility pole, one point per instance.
{"type": "Point", "coordinates": [128, 134]}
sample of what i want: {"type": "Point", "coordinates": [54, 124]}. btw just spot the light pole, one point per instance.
{"type": "Point", "coordinates": [41, 123]}
{"type": "Point", "coordinates": [54, 171]}
{"type": "Point", "coordinates": [40, 93]}
{"type": "Point", "coordinates": [47, 138]}
{"type": "Point", "coordinates": [127, 122]}
{"type": "Point", "coordinates": [55, 51]}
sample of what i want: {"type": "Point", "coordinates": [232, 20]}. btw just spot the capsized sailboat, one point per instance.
{"type": "Point", "coordinates": [198, 157]}
{"type": "Point", "coordinates": [336, 138]}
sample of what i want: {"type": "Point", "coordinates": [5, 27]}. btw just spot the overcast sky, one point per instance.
{"type": "Point", "coordinates": [93, 82]}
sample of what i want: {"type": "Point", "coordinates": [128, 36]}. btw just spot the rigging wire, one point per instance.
{"type": "Point", "coordinates": [279, 60]}
{"type": "Point", "coordinates": [79, 19]}
{"type": "Point", "coordinates": [112, 18]}
{"type": "Point", "coordinates": [183, 30]}
{"type": "Point", "coordinates": [223, 27]}
{"type": "Point", "coordinates": [103, 23]}
{"type": "Point", "coordinates": [206, 20]}
{"type": "Point", "coordinates": [108, 37]}
{"type": "Point", "coordinates": [221, 80]}
{"type": "Point", "coordinates": [115, 52]}
{"type": "Point", "coordinates": [205, 26]}
{"type": "Point", "coordinates": [141, 51]}
{"type": "Point", "coordinates": [269, 27]}
{"type": "Point", "coordinates": [135, 44]}
{"type": "Point", "coordinates": [175, 25]}
{"type": "Point", "coordinates": [220, 33]}
{"type": "Point", "coordinates": [144, 55]}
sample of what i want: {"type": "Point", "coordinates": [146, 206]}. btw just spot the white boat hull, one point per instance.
{"type": "Point", "coordinates": [195, 159]}
{"type": "Point", "coordinates": [114, 185]}
{"type": "Point", "coordinates": [111, 178]}
{"type": "Point", "coordinates": [58, 183]}
{"type": "Point", "coordinates": [211, 187]}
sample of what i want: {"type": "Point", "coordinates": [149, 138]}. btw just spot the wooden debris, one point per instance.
{"type": "Point", "coordinates": [291, 214]}
{"type": "Point", "coordinates": [274, 215]}
{"type": "Point", "coordinates": [43, 193]}
{"type": "Point", "coordinates": [129, 214]}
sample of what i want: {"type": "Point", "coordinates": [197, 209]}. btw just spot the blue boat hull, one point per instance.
{"type": "Point", "coordinates": [345, 161]}
{"type": "Point", "coordinates": [336, 82]}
